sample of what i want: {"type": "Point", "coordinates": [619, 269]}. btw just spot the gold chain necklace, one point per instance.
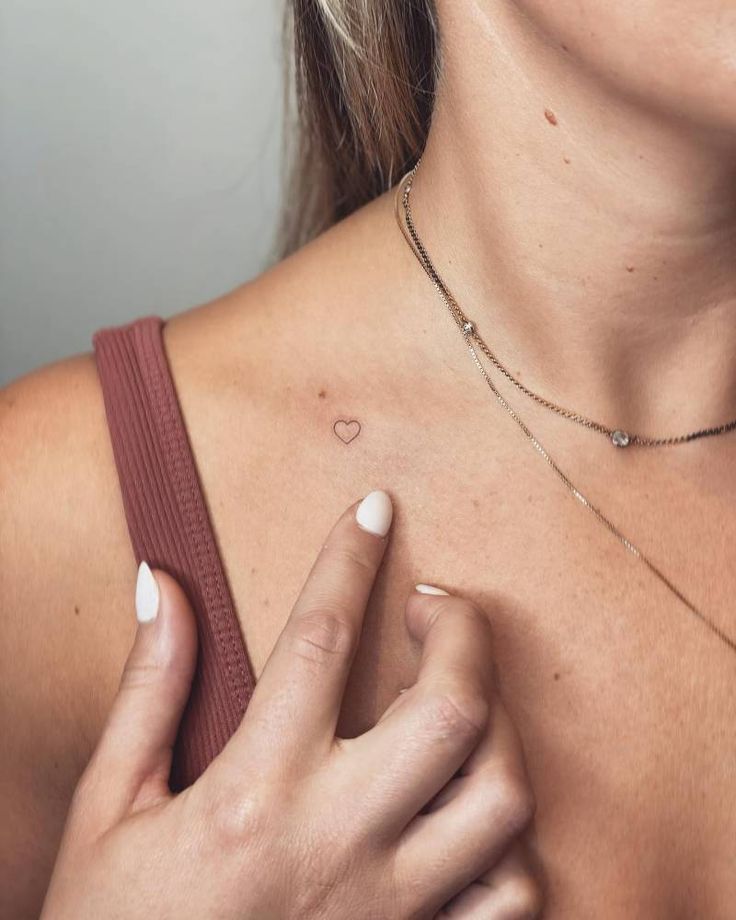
{"type": "Point", "coordinates": [617, 436]}
{"type": "Point", "coordinates": [470, 334]}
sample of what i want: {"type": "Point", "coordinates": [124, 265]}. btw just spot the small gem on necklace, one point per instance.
{"type": "Point", "coordinates": [620, 438]}
{"type": "Point", "coordinates": [468, 328]}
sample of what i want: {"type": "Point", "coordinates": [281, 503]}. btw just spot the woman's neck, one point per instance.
{"type": "Point", "coordinates": [592, 241]}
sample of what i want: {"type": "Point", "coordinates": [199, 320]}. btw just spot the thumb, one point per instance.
{"type": "Point", "coordinates": [133, 757]}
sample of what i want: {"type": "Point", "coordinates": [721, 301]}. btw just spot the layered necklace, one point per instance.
{"type": "Point", "coordinates": [617, 436]}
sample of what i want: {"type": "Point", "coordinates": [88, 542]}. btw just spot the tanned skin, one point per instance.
{"type": "Point", "coordinates": [583, 214]}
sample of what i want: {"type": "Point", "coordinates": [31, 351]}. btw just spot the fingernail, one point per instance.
{"type": "Point", "coordinates": [430, 589]}
{"type": "Point", "coordinates": [146, 595]}
{"type": "Point", "coordinates": [374, 513]}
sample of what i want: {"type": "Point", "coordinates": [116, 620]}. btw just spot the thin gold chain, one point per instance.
{"type": "Point", "coordinates": [470, 334]}
{"type": "Point", "coordinates": [618, 436]}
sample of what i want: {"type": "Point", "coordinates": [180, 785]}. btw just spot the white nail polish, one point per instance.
{"type": "Point", "coordinates": [146, 595]}
{"type": "Point", "coordinates": [374, 513]}
{"type": "Point", "coordinates": [430, 589]}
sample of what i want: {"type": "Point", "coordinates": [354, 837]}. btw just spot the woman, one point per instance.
{"type": "Point", "coordinates": [576, 195]}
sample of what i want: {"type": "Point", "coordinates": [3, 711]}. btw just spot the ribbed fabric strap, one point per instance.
{"type": "Point", "coordinates": [170, 528]}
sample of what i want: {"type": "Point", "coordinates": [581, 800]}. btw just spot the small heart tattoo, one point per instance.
{"type": "Point", "coordinates": [346, 431]}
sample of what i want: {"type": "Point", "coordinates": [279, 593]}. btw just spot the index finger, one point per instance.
{"type": "Point", "coordinates": [299, 694]}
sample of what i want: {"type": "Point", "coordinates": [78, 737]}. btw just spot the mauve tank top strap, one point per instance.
{"type": "Point", "coordinates": [170, 528]}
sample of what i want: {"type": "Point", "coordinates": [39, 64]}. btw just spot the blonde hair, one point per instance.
{"type": "Point", "coordinates": [364, 80]}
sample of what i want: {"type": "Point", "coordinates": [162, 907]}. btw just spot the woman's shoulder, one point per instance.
{"type": "Point", "coordinates": [58, 480]}
{"type": "Point", "coordinates": [243, 352]}
{"type": "Point", "coordinates": [59, 519]}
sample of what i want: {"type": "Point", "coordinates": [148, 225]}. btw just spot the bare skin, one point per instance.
{"type": "Point", "coordinates": [623, 701]}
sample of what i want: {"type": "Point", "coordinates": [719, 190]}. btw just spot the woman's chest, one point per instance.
{"type": "Point", "coordinates": [625, 701]}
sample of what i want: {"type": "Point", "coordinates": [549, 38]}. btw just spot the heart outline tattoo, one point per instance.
{"type": "Point", "coordinates": [353, 424]}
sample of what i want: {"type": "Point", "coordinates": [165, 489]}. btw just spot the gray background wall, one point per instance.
{"type": "Point", "coordinates": [139, 162]}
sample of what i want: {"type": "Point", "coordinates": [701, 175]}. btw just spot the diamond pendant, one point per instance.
{"type": "Point", "coordinates": [620, 438]}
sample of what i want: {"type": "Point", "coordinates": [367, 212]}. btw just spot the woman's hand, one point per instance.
{"type": "Point", "coordinates": [424, 814]}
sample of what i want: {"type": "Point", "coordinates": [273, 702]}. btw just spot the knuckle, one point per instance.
{"type": "Point", "coordinates": [236, 819]}
{"type": "Point", "coordinates": [145, 668]}
{"type": "Point", "coordinates": [459, 710]}
{"type": "Point", "coordinates": [465, 615]}
{"type": "Point", "coordinates": [353, 557]}
{"type": "Point", "coordinates": [511, 798]}
{"type": "Point", "coordinates": [522, 898]}
{"type": "Point", "coordinates": [137, 674]}
{"type": "Point", "coordinates": [521, 808]}
{"type": "Point", "coordinates": [321, 634]}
